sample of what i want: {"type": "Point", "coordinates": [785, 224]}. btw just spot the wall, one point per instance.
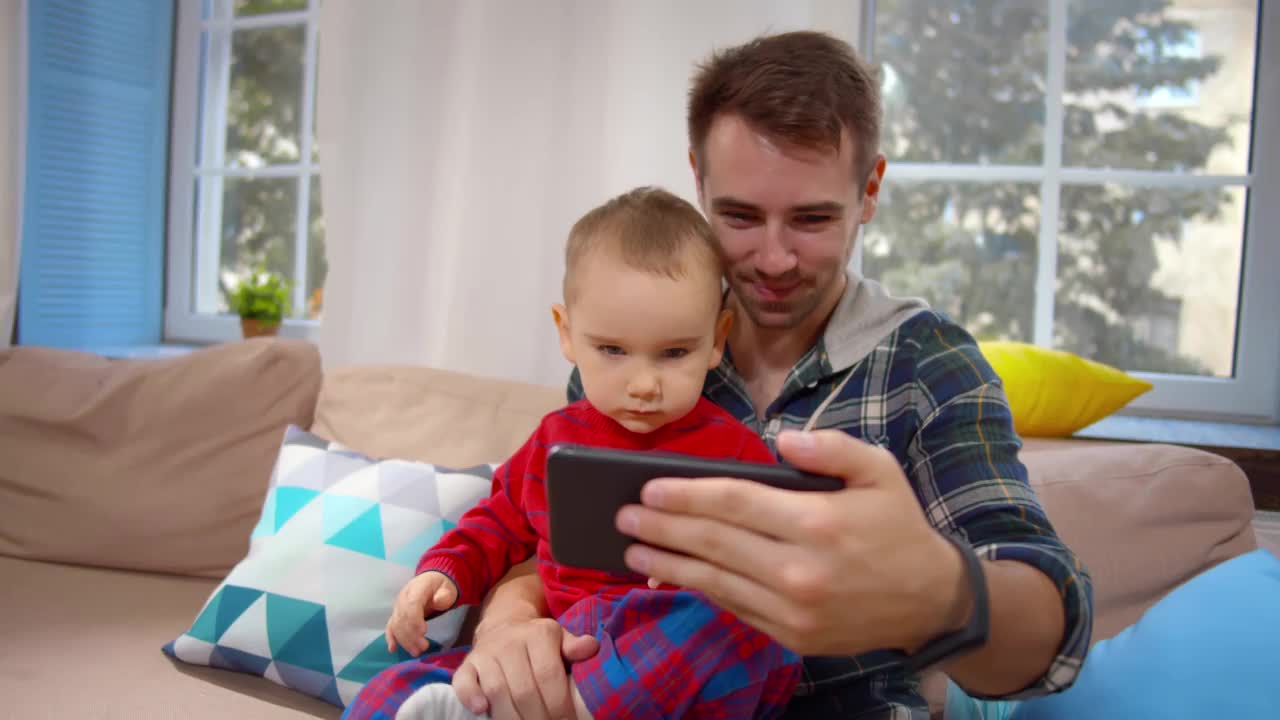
{"type": "Point", "coordinates": [12, 112]}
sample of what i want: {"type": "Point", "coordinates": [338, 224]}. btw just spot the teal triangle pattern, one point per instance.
{"type": "Point", "coordinates": [225, 608]}
{"type": "Point", "coordinates": [229, 658]}
{"type": "Point", "coordinates": [289, 500]}
{"type": "Point", "coordinates": [266, 522]}
{"type": "Point", "coordinates": [288, 619]}
{"type": "Point", "coordinates": [411, 553]}
{"type": "Point", "coordinates": [330, 694]}
{"type": "Point", "coordinates": [363, 535]}
{"type": "Point", "coordinates": [375, 658]}
{"type": "Point", "coordinates": [298, 633]}
{"type": "Point", "coordinates": [302, 679]}
{"type": "Point", "coordinates": [341, 510]}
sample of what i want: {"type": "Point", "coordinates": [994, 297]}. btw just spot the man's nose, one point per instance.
{"type": "Point", "coordinates": [776, 257]}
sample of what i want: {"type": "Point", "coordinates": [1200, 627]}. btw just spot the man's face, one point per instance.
{"type": "Point", "coordinates": [642, 342]}
{"type": "Point", "coordinates": [785, 218]}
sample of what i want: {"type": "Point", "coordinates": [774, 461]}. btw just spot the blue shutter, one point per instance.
{"type": "Point", "coordinates": [96, 171]}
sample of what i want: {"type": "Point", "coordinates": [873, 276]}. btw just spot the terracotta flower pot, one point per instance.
{"type": "Point", "coordinates": [253, 327]}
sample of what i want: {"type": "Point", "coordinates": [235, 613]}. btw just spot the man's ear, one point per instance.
{"type": "Point", "coordinates": [871, 192]}
{"type": "Point", "coordinates": [723, 325]}
{"type": "Point", "coordinates": [561, 316]}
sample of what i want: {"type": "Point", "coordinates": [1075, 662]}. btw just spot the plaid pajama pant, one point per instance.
{"type": "Point", "coordinates": [663, 654]}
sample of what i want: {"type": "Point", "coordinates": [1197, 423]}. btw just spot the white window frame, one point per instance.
{"type": "Point", "coordinates": [186, 254]}
{"type": "Point", "coordinates": [1253, 394]}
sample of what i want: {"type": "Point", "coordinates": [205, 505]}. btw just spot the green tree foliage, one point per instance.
{"type": "Point", "coordinates": [264, 110]}
{"type": "Point", "coordinates": [965, 83]}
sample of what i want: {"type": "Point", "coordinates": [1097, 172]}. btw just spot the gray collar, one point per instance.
{"type": "Point", "coordinates": [865, 315]}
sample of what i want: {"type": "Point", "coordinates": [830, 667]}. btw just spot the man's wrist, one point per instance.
{"type": "Point", "coordinates": [949, 599]}
{"type": "Point", "coordinates": [960, 607]}
{"type": "Point", "coordinates": [514, 614]}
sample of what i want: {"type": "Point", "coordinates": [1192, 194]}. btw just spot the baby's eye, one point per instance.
{"type": "Point", "coordinates": [610, 350]}
{"type": "Point", "coordinates": [674, 353]}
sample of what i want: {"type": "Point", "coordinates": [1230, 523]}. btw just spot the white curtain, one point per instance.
{"type": "Point", "coordinates": [459, 141]}
{"type": "Point", "coordinates": [11, 121]}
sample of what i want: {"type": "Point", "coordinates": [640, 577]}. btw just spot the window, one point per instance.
{"type": "Point", "coordinates": [245, 183]}
{"type": "Point", "coordinates": [1090, 175]}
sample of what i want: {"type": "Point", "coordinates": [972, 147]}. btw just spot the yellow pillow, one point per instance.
{"type": "Point", "coordinates": [1054, 393]}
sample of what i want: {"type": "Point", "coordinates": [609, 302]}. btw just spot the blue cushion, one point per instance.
{"type": "Point", "coordinates": [1209, 649]}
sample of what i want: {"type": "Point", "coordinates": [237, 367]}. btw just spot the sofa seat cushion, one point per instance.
{"type": "Point", "coordinates": [85, 643]}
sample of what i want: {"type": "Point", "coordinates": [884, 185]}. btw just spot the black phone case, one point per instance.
{"type": "Point", "coordinates": [586, 486]}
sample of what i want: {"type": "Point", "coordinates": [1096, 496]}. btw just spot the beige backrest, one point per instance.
{"type": "Point", "coordinates": [430, 415]}
{"type": "Point", "coordinates": [145, 464]}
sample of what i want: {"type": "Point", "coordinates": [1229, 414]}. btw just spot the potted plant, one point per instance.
{"type": "Point", "coordinates": [262, 301]}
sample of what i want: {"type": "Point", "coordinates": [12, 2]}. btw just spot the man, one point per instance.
{"type": "Point", "coordinates": [784, 137]}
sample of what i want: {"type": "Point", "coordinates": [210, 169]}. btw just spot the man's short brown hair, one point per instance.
{"type": "Point", "coordinates": [649, 229]}
{"type": "Point", "coordinates": [800, 88]}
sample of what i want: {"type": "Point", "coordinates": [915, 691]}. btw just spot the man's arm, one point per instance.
{"type": "Point", "coordinates": [1027, 624]}
{"type": "Point", "coordinates": [517, 597]}
{"type": "Point", "coordinates": [965, 455]}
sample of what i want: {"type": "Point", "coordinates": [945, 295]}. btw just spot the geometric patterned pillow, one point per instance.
{"type": "Point", "coordinates": [339, 535]}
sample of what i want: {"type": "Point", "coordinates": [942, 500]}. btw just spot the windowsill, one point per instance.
{"type": "Point", "coordinates": [1199, 433]}
{"type": "Point", "coordinates": [142, 352]}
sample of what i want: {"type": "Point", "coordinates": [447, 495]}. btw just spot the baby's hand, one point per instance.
{"type": "Point", "coordinates": [653, 583]}
{"type": "Point", "coordinates": [429, 591]}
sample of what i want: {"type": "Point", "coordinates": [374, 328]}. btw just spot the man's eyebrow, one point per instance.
{"type": "Point", "coordinates": [726, 202]}
{"type": "Point", "coordinates": [732, 203]}
{"type": "Point", "coordinates": [832, 208]}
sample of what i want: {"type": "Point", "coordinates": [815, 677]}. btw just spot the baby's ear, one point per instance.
{"type": "Point", "coordinates": [723, 325]}
{"type": "Point", "coordinates": [561, 316]}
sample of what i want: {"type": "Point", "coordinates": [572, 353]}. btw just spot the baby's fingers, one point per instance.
{"type": "Point", "coordinates": [445, 596]}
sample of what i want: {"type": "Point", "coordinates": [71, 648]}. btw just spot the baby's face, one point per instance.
{"type": "Point", "coordinates": [642, 342]}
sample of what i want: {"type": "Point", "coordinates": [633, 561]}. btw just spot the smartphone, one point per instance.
{"type": "Point", "coordinates": [586, 486]}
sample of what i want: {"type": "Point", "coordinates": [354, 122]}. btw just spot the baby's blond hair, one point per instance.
{"type": "Point", "coordinates": [650, 230]}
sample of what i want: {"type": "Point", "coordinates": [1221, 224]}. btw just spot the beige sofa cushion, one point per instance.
{"type": "Point", "coordinates": [145, 464]}
{"type": "Point", "coordinates": [430, 415]}
{"type": "Point", "coordinates": [85, 643]}
{"type": "Point", "coordinates": [1143, 518]}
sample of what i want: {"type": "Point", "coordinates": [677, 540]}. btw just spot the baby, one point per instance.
{"type": "Point", "coordinates": [643, 321]}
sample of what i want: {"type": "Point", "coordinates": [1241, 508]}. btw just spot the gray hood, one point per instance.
{"type": "Point", "coordinates": [865, 315]}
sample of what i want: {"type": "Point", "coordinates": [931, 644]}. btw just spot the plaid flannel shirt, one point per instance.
{"type": "Point", "coordinates": [926, 393]}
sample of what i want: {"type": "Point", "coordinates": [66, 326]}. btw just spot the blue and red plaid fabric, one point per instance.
{"type": "Point", "coordinates": [663, 654]}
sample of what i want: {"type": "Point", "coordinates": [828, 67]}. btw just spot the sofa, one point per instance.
{"type": "Point", "coordinates": [129, 487]}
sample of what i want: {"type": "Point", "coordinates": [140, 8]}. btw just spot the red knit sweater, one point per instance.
{"type": "Point", "coordinates": [511, 524]}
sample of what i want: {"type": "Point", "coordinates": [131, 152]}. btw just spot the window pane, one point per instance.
{"type": "Point", "coordinates": [968, 248]}
{"type": "Point", "coordinates": [265, 99]}
{"type": "Point", "coordinates": [1148, 278]}
{"type": "Point", "coordinates": [262, 7]}
{"type": "Point", "coordinates": [258, 227]}
{"type": "Point", "coordinates": [1160, 86]}
{"type": "Point", "coordinates": [963, 79]}
{"type": "Point", "coordinates": [317, 267]}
